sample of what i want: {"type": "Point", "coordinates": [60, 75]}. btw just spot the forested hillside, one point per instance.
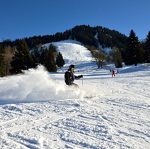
{"type": "Point", "coordinates": [124, 49]}
{"type": "Point", "coordinates": [87, 35]}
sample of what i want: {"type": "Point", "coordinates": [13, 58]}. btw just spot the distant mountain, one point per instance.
{"type": "Point", "coordinates": [91, 36]}
{"type": "Point", "coordinates": [95, 36]}
{"type": "Point", "coordinates": [99, 37]}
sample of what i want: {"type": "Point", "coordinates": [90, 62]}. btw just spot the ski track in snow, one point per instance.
{"type": "Point", "coordinates": [112, 119]}
{"type": "Point", "coordinates": [106, 113]}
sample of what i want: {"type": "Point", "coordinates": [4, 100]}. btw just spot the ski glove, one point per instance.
{"type": "Point", "coordinates": [80, 76]}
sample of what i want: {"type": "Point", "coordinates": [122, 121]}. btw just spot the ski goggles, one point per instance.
{"type": "Point", "coordinates": [72, 69]}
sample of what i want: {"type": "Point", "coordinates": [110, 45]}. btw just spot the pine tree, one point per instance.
{"type": "Point", "coordinates": [134, 52]}
{"type": "Point", "coordinates": [1, 65]}
{"type": "Point", "coordinates": [59, 60]}
{"type": "Point", "coordinates": [147, 48]}
{"type": "Point", "coordinates": [49, 61]}
{"type": "Point", "coordinates": [52, 48]}
{"type": "Point", "coordinates": [36, 55]}
{"type": "Point", "coordinates": [22, 59]}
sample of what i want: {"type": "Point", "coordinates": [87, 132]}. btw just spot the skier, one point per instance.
{"type": "Point", "coordinates": [70, 77]}
{"type": "Point", "coordinates": [113, 73]}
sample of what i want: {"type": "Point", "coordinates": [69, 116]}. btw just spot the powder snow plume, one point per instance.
{"type": "Point", "coordinates": [32, 86]}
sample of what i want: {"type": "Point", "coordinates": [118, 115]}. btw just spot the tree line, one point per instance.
{"type": "Point", "coordinates": [135, 52]}
{"type": "Point", "coordinates": [23, 59]}
{"type": "Point", "coordinates": [24, 53]}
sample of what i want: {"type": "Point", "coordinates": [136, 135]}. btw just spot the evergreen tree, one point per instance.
{"type": "Point", "coordinates": [36, 55]}
{"type": "Point", "coordinates": [1, 65]}
{"type": "Point", "coordinates": [147, 48]}
{"type": "Point", "coordinates": [134, 53]}
{"type": "Point", "coordinates": [49, 61]}
{"type": "Point", "coordinates": [59, 60]}
{"type": "Point", "coordinates": [52, 48]}
{"type": "Point", "coordinates": [22, 59]}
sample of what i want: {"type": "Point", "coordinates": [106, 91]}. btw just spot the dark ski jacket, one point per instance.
{"type": "Point", "coordinates": [70, 77]}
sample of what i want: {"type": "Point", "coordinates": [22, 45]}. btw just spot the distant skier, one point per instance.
{"type": "Point", "coordinates": [113, 73]}
{"type": "Point", "coordinates": [70, 77]}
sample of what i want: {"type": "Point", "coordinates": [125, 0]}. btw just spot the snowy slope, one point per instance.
{"type": "Point", "coordinates": [37, 110]}
{"type": "Point", "coordinates": [73, 52]}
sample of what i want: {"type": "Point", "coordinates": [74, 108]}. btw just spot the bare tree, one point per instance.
{"type": "Point", "coordinates": [117, 58]}
{"type": "Point", "coordinates": [100, 58]}
{"type": "Point", "coordinates": [7, 55]}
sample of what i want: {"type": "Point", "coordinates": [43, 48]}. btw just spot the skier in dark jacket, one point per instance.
{"type": "Point", "coordinates": [70, 77]}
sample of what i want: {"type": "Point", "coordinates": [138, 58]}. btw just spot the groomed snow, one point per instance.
{"type": "Point", "coordinates": [38, 111]}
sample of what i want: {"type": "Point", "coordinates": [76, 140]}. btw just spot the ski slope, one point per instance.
{"type": "Point", "coordinates": [38, 111]}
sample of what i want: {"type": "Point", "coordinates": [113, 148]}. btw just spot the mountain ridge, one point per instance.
{"type": "Point", "coordinates": [87, 35]}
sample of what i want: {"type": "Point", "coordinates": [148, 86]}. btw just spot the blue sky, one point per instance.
{"type": "Point", "coordinates": [27, 18]}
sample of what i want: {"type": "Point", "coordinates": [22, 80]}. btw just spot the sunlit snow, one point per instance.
{"type": "Point", "coordinates": [38, 111]}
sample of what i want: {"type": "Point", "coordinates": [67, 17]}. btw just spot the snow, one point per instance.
{"type": "Point", "coordinates": [38, 111]}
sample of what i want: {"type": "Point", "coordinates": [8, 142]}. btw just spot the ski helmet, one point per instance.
{"type": "Point", "coordinates": [71, 67]}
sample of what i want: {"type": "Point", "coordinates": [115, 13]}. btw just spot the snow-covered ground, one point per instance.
{"type": "Point", "coordinates": [37, 110]}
